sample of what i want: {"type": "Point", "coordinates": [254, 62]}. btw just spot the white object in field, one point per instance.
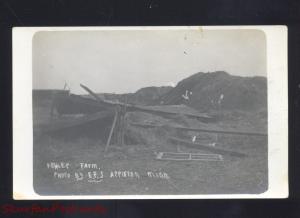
{"type": "Point", "coordinates": [194, 138]}
{"type": "Point", "coordinates": [221, 99]}
{"type": "Point", "coordinates": [186, 95]}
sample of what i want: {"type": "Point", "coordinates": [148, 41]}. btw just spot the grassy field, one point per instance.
{"type": "Point", "coordinates": [233, 175]}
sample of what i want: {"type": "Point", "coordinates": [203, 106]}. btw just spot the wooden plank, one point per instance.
{"type": "Point", "coordinates": [99, 100]}
{"type": "Point", "coordinates": [222, 131]}
{"type": "Point", "coordinates": [123, 125]}
{"type": "Point", "coordinates": [146, 109]}
{"type": "Point", "coordinates": [203, 130]}
{"type": "Point", "coordinates": [207, 148]}
{"type": "Point", "coordinates": [159, 112]}
{"type": "Point", "coordinates": [111, 130]}
{"type": "Point", "coordinates": [188, 156]}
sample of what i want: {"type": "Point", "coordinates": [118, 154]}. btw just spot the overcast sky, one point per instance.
{"type": "Point", "coordinates": [125, 60]}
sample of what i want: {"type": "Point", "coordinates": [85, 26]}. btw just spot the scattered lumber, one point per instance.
{"type": "Point", "coordinates": [206, 147]}
{"type": "Point", "coordinates": [188, 156]}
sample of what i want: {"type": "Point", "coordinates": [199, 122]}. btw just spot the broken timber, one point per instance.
{"type": "Point", "coordinates": [145, 109]}
{"type": "Point", "coordinates": [203, 130]}
{"type": "Point", "coordinates": [188, 156]}
{"type": "Point", "coordinates": [207, 147]}
{"type": "Point", "coordinates": [112, 129]}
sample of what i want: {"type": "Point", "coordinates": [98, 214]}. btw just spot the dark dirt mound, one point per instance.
{"type": "Point", "coordinates": [219, 90]}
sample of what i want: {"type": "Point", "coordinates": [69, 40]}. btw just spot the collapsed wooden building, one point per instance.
{"type": "Point", "coordinates": [112, 115]}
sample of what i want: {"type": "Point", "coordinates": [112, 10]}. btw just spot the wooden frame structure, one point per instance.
{"type": "Point", "coordinates": [119, 123]}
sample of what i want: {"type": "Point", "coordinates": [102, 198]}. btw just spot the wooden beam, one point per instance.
{"type": "Point", "coordinates": [207, 148]}
{"type": "Point", "coordinates": [188, 156]}
{"type": "Point", "coordinates": [99, 100]}
{"type": "Point", "coordinates": [146, 109]}
{"type": "Point", "coordinates": [111, 130]}
{"type": "Point", "coordinates": [203, 130]}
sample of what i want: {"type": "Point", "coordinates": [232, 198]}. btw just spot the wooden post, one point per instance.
{"type": "Point", "coordinates": [124, 121]}
{"type": "Point", "coordinates": [123, 128]}
{"type": "Point", "coordinates": [118, 128]}
{"type": "Point", "coordinates": [112, 130]}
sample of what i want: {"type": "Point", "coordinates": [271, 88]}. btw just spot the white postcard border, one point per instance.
{"type": "Point", "coordinates": [277, 74]}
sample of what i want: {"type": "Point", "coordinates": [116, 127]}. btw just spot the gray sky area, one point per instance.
{"type": "Point", "coordinates": [122, 61]}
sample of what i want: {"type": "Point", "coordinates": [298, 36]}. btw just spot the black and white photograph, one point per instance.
{"type": "Point", "coordinates": [153, 112]}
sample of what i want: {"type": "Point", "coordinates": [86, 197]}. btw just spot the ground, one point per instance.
{"type": "Point", "coordinates": [59, 162]}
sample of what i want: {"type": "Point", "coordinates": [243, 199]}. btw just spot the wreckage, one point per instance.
{"type": "Point", "coordinates": [86, 110]}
